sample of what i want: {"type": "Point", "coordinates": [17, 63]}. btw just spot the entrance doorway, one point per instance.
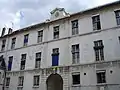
{"type": "Point", "coordinates": [54, 82]}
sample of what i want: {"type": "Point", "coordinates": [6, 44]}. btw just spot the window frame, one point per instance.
{"type": "Point", "coordinates": [38, 59]}
{"type": "Point", "coordinates": [75, 53]}
{"type": "Point", "coordinates": [23, 60]}
{"type": "Point", "coordinates": [26, 38]}
{"type": "Point", "coordinates": [3, 45]}
{"type": "Point", "coordinates": [117, 17]}
{"type": "Point", "coordinates": [20, 80]}
{"type": "Point", "coordinates": [7, 84]}
{"type": "Point", "coordinates": [101, 77]}
{"type": "Point", "coordinates": [56, 32]}
{"type": "Point", "coordinates": [96, 22]}
{"type": "Point", "coordinates": [40, 36]}
{"type": "Point", "coordinates": [75, 28]}
{"type": "Point", "coordinates": [35, 82]}
{"type": "Point", "coordinates": [10, 60]}
{"type": "Point", "coordinates": [13, 43]}
{"type": "Point", "coordinates": [99, 50]}
{"type": "Point", "coordinates": [75, 74]}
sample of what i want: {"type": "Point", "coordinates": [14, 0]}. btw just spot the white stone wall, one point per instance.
{"type": "Point", "coordinates": [109, 34]}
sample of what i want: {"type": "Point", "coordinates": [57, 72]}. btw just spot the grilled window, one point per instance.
{"type": "Point", "coordinates": [23, 60]}
{"type": "Point", "coordinates": [13, 43]}
{"type": "Point", "coordinates": [38, 60]}
{"type": "Point", "coordinates": [75, 54]}
{"type": "Point", "coordinates": [74, 27]}
{"type": "Point", "coordinates": [40, 36]}
{"type": "Point", "coordinates": [56, 32]}
{"type": "Point", "coordinates": [117, 13]}
{"type": "Point", "coordinates": [99, 50]}
{"type": "Point", "coordinates": [26, 40]}
{"type": "Point", "coordinates": [36, 80]}
{"type": "Point", "coordinates": [101, 77]}
{"type": "Point", "coordinates": [20, 81]}
{"type": "Point", "coordinates": [96, 22]}
{"type": "Point", "coordinates": [3, 45]}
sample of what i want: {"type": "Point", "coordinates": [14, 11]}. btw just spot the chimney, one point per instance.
{"type": "Point", "coordinates": [9, 30]}
{"type": "Point", "coordinates": [3, 32]}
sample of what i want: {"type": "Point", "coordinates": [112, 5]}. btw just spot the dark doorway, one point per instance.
{"type": "Point", "coordinates": [54, 82]}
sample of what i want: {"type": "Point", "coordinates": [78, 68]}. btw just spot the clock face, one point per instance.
{"type": "Point", "coordinates": [56, 14]}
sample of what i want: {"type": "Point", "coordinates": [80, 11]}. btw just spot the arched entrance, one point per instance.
{"type": "Point", "coordinates": [54, 82]}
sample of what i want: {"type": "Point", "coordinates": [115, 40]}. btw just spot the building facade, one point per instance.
{"type": "Point", "coordinates": [79, 51]}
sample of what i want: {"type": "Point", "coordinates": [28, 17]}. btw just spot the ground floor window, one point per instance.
{"type": "Point", "coordinates": [76, 78]}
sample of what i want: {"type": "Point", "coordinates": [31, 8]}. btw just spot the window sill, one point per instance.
{"type": "Point", "coordinates": [35, 86]}
{"type": "Point", "coordinates": [7, 86]}
{"type": "Point", "coordinates": [101, 84]}
{"type": "Point", "coordinates": [19, 86]}
{"type": "Point", "coordinates": [76, 85]}
{"type": "Point", "coordinates": [100, 61]}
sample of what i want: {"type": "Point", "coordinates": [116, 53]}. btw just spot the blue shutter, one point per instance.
{"type": "Point", "coordinates": [55, 60]}
{"type": "Point", "coordinates": [25, 40]}
{"type": "Point", "coordinates": [9, 65]}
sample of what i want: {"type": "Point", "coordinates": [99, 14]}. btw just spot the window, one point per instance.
{"type": "Point", "coordinates": [36, 81]}
{"type": "Point", "coordinates": [26, 39]}
{"type": "Point", "coordinates": [7, 81]}
{"type": "Point", "coordinates": [55, 57]}
{"type": "Point", "coordinates": [74, 27]}
{"type": "Point", "coordinates": [38, 60]}
{"type": "Point", "coordinates": [3, 45]}
{"type": "Point", "coordinates": [23, 60]}
{"type": "Point", "coordinates": [96, 22]}
{"type": "Point", "coordinates": [75, 54]}
{"type": "Point", "coordinates": [101, 77]}
{"type": "Point", "coordinates": [20, 81]}
{"type": "Point", "coordinates": [76, 78]}
{"type": "Point", "coordinates": [10, 63]}
{"type": "Point", "coordinates": [40, 36]}
{"type": "Point", "coordinates": [99, 50]}
{"type": "Point", "coordinates": [13, 43]}
{"type": "Point", "coordinates": [56, 51]}
{"type": "Point", "coordinates": [117, 13]}
{"type": "Point", "coordinates": [56, 32]}
{"type": "Point", "coordinates": [119, 39]}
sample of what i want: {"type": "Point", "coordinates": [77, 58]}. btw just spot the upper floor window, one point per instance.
{"type": "Point", "coordinates": [99, 50]}
{"type": "Point", "coordinates": [7, 81]}
{"type": "Point", "coordinates": [23, 60]}
{"type": "Point", "coordinates": [3, 45]}
{"type": "Point", "coordinates": [13, 43]}
{"type": "Point", "coordinates": [75, 54]}
{"type": "Point", "coordinates": [101, 77]}
{"type": "Point", "coordinates": [36, 80]}
{"type": "Point", "coordinates": [40, 36]}
{"type": "Point", "coordinates": [26, 39]}
{"type": "Point", "coordinates": [38, 60]}
{"type": "Point", "coordinates": [75, 27]}
{"type": "Point", "coordinates": [10, 63]}
{"type": "Point", "coordinates": [20, 81]}
{"type": "Point", "coordinates": [96, 22]}
{"type": "Point", "coordinates": [119, 39]}
{"type": "Point", "coordinates": [117, 13]}
{"type": "Point", "coordinates": [76, 78]}
{"type": "Point", "coordinates": [55, 57]}
{"type": "Point", "coordinates": [56, 32]}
